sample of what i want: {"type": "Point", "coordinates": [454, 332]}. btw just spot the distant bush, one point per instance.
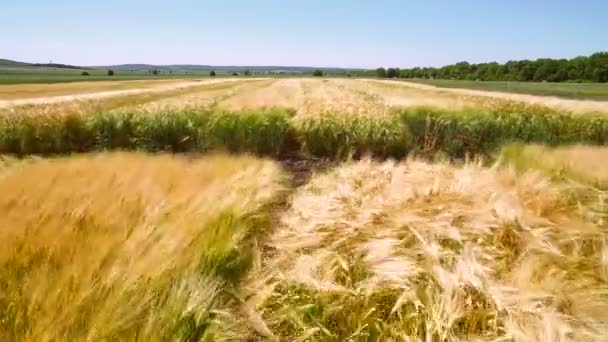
{"type": "Point", "coordinates": [154, 72]}
{"type": "Point", "coordinates": [381, 72]}
{"type": "Point", "coordinates": [85, 73]}
{"type": "Point", "coordinates": [317, 73]}
{"type": "Point", "coordinates": [212, 73]}
{"type": "Point", "coordinates": [391, 73]}
{"type": "Point", "coordinates": [247, 73]}
{"type": "Point", "coordinates": [235, 74]}
{"type": "Point", "coordinates": [110, 72]}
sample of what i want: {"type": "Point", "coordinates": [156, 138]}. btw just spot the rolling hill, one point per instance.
{"type": "Point", "coordinates": [227, 68]}
{"type": "Point", "coordinates": [178, 67]}
{"type": "Point", "coordinates": [10, 63]}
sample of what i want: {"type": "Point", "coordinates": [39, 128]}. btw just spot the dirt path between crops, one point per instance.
{"type": "Point", "coordinates": [110, 93]}
{"type": "Point", "coordinates": [302, 169]}
{"type": "Point", "coordinates": [578, 106]}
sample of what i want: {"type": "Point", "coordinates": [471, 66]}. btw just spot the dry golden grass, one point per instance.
{"type": "Point", "coordinates": [434, 252]}
{"type": "Point", "coordinates": [124, 246]}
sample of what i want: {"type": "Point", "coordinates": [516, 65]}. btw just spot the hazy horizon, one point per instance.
{"type": "Point", "coordinates": [340, 34]}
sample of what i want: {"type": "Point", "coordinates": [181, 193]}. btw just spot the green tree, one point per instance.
{"type": "Point", "coordinates": [317, 73]}
{"type": "Point", "coordinates": [212, 73]}
{"type": "Point", "coordinates": [599, 64]}
{"type": "Point", "coordinates": [527, 72]}
{"type": "Point", "coordinates": [591, 68]}
{"type": "Point", "coordinates": [547, 68]}
{"type": "Point", "coordinates": [576, 68]}
{"type": "Point", "coordinates": [405, 73]}
{"type": "Point", "coordinates": [85, 73]}
{"type": "Point", "coordinates": [600, 74]}
{"type": "Point", "coordinates": [391, 73]}
{"type": "Point", "coordinates": [110, 72]}
{"type": "Point", "coordinates": [381, 73]}
{"type": "Point", "coordinates": [247, 73]}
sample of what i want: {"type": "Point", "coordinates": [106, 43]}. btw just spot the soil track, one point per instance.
{"type": "Point", "coordinates": [107, 94]}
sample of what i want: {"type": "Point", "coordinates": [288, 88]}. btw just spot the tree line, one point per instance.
{"type": "Point", "coordinates": [593, 68]}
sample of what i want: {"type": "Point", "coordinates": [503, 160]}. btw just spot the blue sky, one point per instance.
{"type": "Point", "coordinates": [300, 32]}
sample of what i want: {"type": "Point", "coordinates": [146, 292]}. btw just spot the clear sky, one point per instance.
{"type": "Point", "coordinates": [341, 33]}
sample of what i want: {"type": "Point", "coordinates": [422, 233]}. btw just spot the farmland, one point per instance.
{"type": "Point", "coordinates": [581, 91]}
{"type": "Point", "coordinates": [300, 209]}
{"type": "Point", "coordinates": [45, 75]}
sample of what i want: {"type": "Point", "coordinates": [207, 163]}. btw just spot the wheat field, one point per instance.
{"type": "Point", "coordinates": [300, 209]}
{"type": "Point", "coordinates": [438, 252]}
{"type": "Point", "coordinates": [306, 95]}
{"type": "Point", "coordinates": [92, 251]}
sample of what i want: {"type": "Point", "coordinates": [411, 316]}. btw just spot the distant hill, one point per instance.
{"type": "Point", "coordinates": [227, 68]}
{"type": "Point", "coordinates": [9, 63]}
{"type": "Point", "coordinates": [181, 67]}
{"type": "Point", "coordinates": [55, 65]}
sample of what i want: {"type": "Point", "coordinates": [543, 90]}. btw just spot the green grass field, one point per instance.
{"type": "Point", "coordinates": [581, 91]}
{"type": "Point", "coordinates": [23, 75]}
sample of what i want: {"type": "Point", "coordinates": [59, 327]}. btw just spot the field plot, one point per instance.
{"type": "Point", "coordinates": [526, 93]}
{"type": "Point", "coordinates": [307, 96]}
{"type": "Point", "coordinates": [301, 209]}
{"type": "Point", "coordinates": [581, 91]}
{"type": "Point", "coordinates": [44, 91]}
{"type": "Point", "coordinates": [19, 95]}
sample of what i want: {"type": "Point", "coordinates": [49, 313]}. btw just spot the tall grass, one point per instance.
{"type": "Point", "coordinates": [338, 136]}
{"type": "Point", "coordinates": [277, 131]}
{"type": "Point", "coordinates": [478, 131]}
{"type": "Point", "coordinates": [262, 132]}
{"type": "Point", "coordinates": [126, 246]}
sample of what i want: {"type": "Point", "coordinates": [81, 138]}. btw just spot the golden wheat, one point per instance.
{"type": "Point", "coordinates": [123, 246]}
{"type": "Point", "coordinates": [579, 162]}
{"type": "Point", "coordinates": [434, 252]}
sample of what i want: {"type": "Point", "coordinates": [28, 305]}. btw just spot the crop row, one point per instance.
{"type": "Point", "coordinates": [277, 131]}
